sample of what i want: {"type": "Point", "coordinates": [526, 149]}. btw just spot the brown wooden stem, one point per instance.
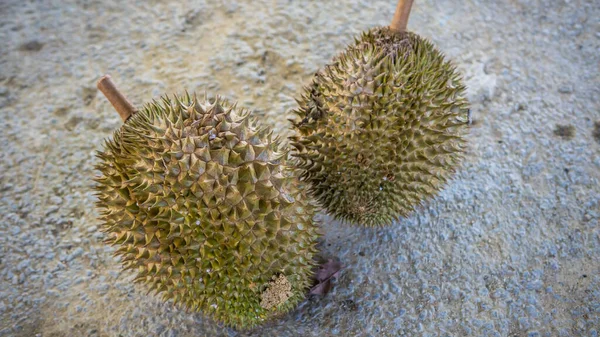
{"type": "Point", "coordinates": [116, 98]}
{"type": "Point", "coordinates": [400, 20]}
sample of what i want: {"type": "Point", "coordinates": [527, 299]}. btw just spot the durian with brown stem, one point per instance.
{"type": "Point", "coordinates": [381, 129]}
{"type": "Point", "coordinates": [201, 202]}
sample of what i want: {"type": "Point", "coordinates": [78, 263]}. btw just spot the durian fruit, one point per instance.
{"type": "Point", "coordinates": [381, 128]}
{"type": "Point", "coordinates": [203, 204]}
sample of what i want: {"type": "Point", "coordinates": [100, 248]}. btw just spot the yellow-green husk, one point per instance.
{"type": "Point", "coordinates": [381, 129]}
{"type": "Point", "coordinates": [203, 205]}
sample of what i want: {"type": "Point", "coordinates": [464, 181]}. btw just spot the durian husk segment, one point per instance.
{"type": "Point", "coordinates": [202, 204]}
{"type": "Point", "coordinates": [381, 129]}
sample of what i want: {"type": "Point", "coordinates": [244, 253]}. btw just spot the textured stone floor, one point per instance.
{"type": "Point", "coordinates": [510, 248]}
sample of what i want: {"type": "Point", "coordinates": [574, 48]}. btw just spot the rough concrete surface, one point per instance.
{"type": "Point", "coordinates": [510, 248]}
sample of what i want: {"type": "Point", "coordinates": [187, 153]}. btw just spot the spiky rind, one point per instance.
{"type": "Point", "coordinates": [380, 129]}
{"type": "Point", "coordinates": [202, 204]}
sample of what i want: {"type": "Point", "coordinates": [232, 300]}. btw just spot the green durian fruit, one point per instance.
{"type": "Point", "coordinates": [203, 205]}
{"type": "Point", "coordinates": [381, 128]}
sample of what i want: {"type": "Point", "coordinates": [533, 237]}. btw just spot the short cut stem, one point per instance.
{"type": "Point", "coordinates": [400, 20]}
{"type": "Point", "coordinates": [116, 98]}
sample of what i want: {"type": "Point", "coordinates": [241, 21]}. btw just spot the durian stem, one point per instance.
{"type": "Point", "coordinates": [400, 20]}
{"type": "Point", "coordinates": [116, 98]}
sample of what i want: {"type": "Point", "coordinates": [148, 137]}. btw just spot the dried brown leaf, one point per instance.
{"type": "Point", "coordinates": [326, 272]}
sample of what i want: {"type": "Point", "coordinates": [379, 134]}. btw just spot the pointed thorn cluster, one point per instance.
{"type": "Point", "coordinates": [380, 130]}
{"type": "Point", "coordinates": [203, 205]}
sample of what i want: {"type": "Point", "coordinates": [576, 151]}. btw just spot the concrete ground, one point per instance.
{"type": "Point", "coordinates": [510, 248]}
